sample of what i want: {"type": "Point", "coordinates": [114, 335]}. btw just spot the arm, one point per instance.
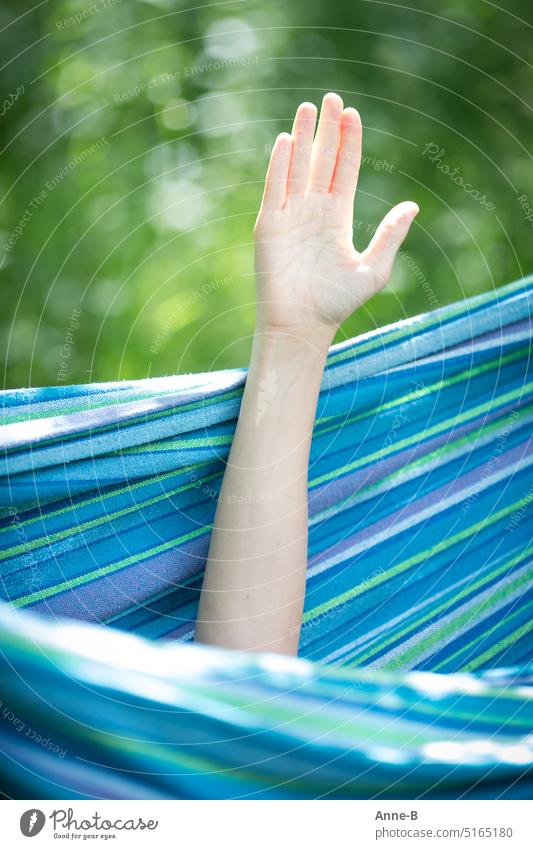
{"type": "Point", "coordinates": [309, 279]}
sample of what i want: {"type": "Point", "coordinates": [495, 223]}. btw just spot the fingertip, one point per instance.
{"type": "Point", "coordinates": [307, 107]}
{"type": "Point", "coordinates": [333, 99]}
{"type": "Point", "coordinates": [283, 141]}
{"type": "Point", "coordinates": [407, 209]}
{"type": "Point", "coordinates": [351, 119]}
{"type": "Point", "coordinates": [305, 118]}
{"type": "Point", "coordinates": [351, 112]}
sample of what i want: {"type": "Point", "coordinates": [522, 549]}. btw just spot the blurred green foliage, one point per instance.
{"type": "Point", "coordinates": [135, 137]}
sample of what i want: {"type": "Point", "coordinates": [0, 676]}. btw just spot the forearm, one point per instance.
{"type": "Point", "coordinates": [253, 591]}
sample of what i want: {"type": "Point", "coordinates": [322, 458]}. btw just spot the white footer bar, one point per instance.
{"type": "Point", "coordinates": [268, 824]}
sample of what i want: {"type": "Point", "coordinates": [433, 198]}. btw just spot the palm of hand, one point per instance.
{"type": "Point", "coordinates": [308, 273]}
{"type": "Point", "coordinates": [305, 263]}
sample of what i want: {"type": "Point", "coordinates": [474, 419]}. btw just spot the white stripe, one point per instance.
{"type": "Point", "coordinates": [396, 528]}
{"type": "Point", "coordinates": [451, 617]}
{"type": "Point", "coordinates": [409, 473]}
{"type": "Point", "coordinates": [392, 624]}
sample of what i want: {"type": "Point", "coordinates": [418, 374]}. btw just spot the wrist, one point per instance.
{"type": "Point", "coordinates": [290, 358]}
{"type": "Point", "coordinates": [283, 383]}
{"type": "Point", "coordinates": [311, 343]}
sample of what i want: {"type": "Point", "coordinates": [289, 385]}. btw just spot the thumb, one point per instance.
{"type": "Point", "coordinates": [382, 250]}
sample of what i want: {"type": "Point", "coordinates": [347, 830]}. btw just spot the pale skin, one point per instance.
{"type": "Point", "coordinates": [309, 279]}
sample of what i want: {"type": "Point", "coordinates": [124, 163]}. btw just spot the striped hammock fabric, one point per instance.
{"type": "Point", "coordinates": [413, 677]}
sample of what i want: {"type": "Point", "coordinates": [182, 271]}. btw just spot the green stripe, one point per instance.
{"type": "Point", "coordinates": [408, 657]}
{"type": "Point", "coordinates": [100, 401]}
{"type": "Point", "coordinates": [178, 444]}
{"type": "Point", "coordinates": [479, 639]}
{"type": "Point", "coordinates": [446, 424]}
{"type": "Point", "coordinates": [111, 494]}
{"type": "Point", "coordinates": [320, 609]}
{"type": "Point", "coordinates": [31, 545]}
{"type": "Point", "coordinates": [448, 448]}
{"type": "Point", "coordinates": [467, 374]}
{"type": "Point", "coordinates": [142, 418]}
{"type": "Point", "coordinates": [415, 327]}
{"type": "Point", "coordinates": [499, 647]}
{"type": "Point", "coordinates": [451, 311]}
{"type": "Point", "coordinates": [395, 402]}
{"type": "Point", "coordinates": [358, 658]}
{"type": "Point", "coordinates": [109, 569]}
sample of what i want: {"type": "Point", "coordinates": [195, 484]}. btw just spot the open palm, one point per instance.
{"type": "Point", "coordinates": [308, 273]}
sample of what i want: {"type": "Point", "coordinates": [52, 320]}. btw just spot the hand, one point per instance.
{"type": "Point", "coordinates": [309, 276]}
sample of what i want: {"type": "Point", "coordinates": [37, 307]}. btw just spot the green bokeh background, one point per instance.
{"type": "Point", "coordinates": [135, 138]}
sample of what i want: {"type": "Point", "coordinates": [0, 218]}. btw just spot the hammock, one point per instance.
{"type": "Point", "coordinates": [414, 676]}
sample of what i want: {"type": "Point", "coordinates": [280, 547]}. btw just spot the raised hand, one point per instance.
{"type": "Point", "coordinates": [309, 276]}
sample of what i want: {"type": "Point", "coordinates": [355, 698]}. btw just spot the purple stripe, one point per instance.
{"type": "Point", "coordinates": [114, 594]}
{"type": "Point", "coordinates": [430, 499]}
{"type": "Point", "coordinates": [327, 494]}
